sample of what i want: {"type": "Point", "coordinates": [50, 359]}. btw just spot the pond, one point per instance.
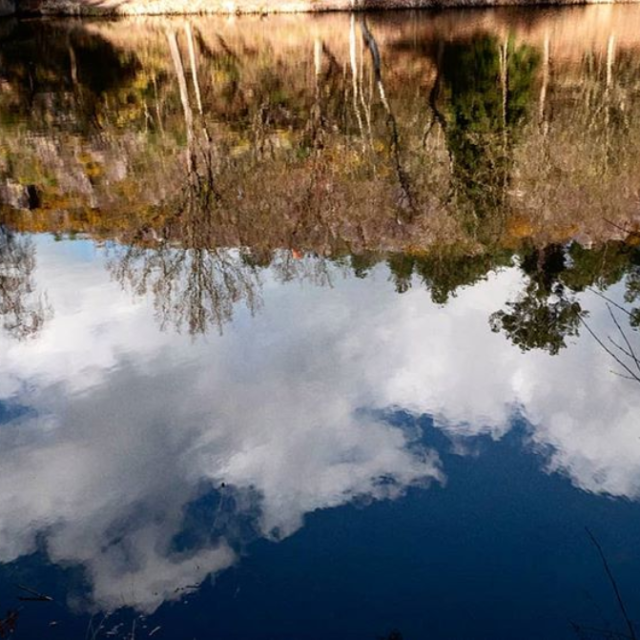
{"type": "Point", "coordinates": [321, 326]}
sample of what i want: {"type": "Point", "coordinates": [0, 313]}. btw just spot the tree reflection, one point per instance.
{"type": "Point", "coordinates": [488, 88]}
{"type": "Point", "coordinates": [193, 288]}
{"type": "Point", "coordinates": [442, 273]}
{"type": "Point", "coordinates": [194, 283]}
{"type": "Point", "coordinates": [23, 311]}
{"type": "Point", "coordinates": [246, 158]}
{"type": "Point", "coordinates": [195, 277]}
{"type": "Point", "coordinates": [546, 313]}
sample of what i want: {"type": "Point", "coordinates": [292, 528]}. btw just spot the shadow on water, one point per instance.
{"type": "Point", "coordinates": [59, 73]}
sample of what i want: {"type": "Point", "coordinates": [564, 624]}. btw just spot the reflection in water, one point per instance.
{"type": "Point", "coordinates": [312, 169]}
{"type": "Point", "coordinates": [60, 76]}
{"type": "Point", "coordinates": [193, 143]}
{"type": "Point", "coordinates": [545, 314]}
{"type": "Point", "coordinates": [196, 288]}
{"type": "Point", "coordinates": [277, 418]}
{"type": "Point", "coordinates": [291, 442]}
{"type": "Point", "coordinates": [23, 312]}
{"type": "Point", "coordinates": [489, 90]}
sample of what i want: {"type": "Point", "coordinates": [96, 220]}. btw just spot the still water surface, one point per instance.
{"type": "Point", "coordinates": [320, 327]}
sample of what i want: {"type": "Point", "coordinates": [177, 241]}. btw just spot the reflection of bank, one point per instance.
{"type": "Point", "coordinates": [63, 76]}
{"type": "Point", "coordinates": [323, 123]}
{"type": "Point", "coordinates": [237, 7]}
{"type": "Point", "coordinates": [319, 138]}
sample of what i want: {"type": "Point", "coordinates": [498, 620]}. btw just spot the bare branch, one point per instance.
{"type": "Point", "coordinates": [614, 584]}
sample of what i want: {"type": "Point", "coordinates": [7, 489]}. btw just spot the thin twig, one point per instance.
{"type": "Point", "coordinates": [630, 371]}
{"type": "Point", "coordinates": [610, 301]}
{"type": "Point", "coordinates": [614, 584]}
{"type": "Point", "coordinates": [632, 353]}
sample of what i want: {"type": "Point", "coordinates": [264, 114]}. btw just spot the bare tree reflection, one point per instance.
{"type": "Point", "coordinates": [23, 311]}
{"type": "Point", "coordinates": [199, 287]}
{"type": "Point", "coordinates": [194, 283]}
{"type": "Point", "coordinates": [187, 265]}
{"type": "Point", "coordinates": [406, 200]}
{"type": "Point", "coordinates": [620, 347]}
{"type": "Point", "coordinates": [194, 288]}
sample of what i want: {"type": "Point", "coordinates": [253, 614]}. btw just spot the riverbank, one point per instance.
{"type": "Point", "coordinates": [168, 7]}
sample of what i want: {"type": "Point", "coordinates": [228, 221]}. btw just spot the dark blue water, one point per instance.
{"type": "Point", "coordinates": [502, 547]}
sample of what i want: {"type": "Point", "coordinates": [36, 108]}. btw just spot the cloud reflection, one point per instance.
{"type": "Point", "coordinates": [127, 425]}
